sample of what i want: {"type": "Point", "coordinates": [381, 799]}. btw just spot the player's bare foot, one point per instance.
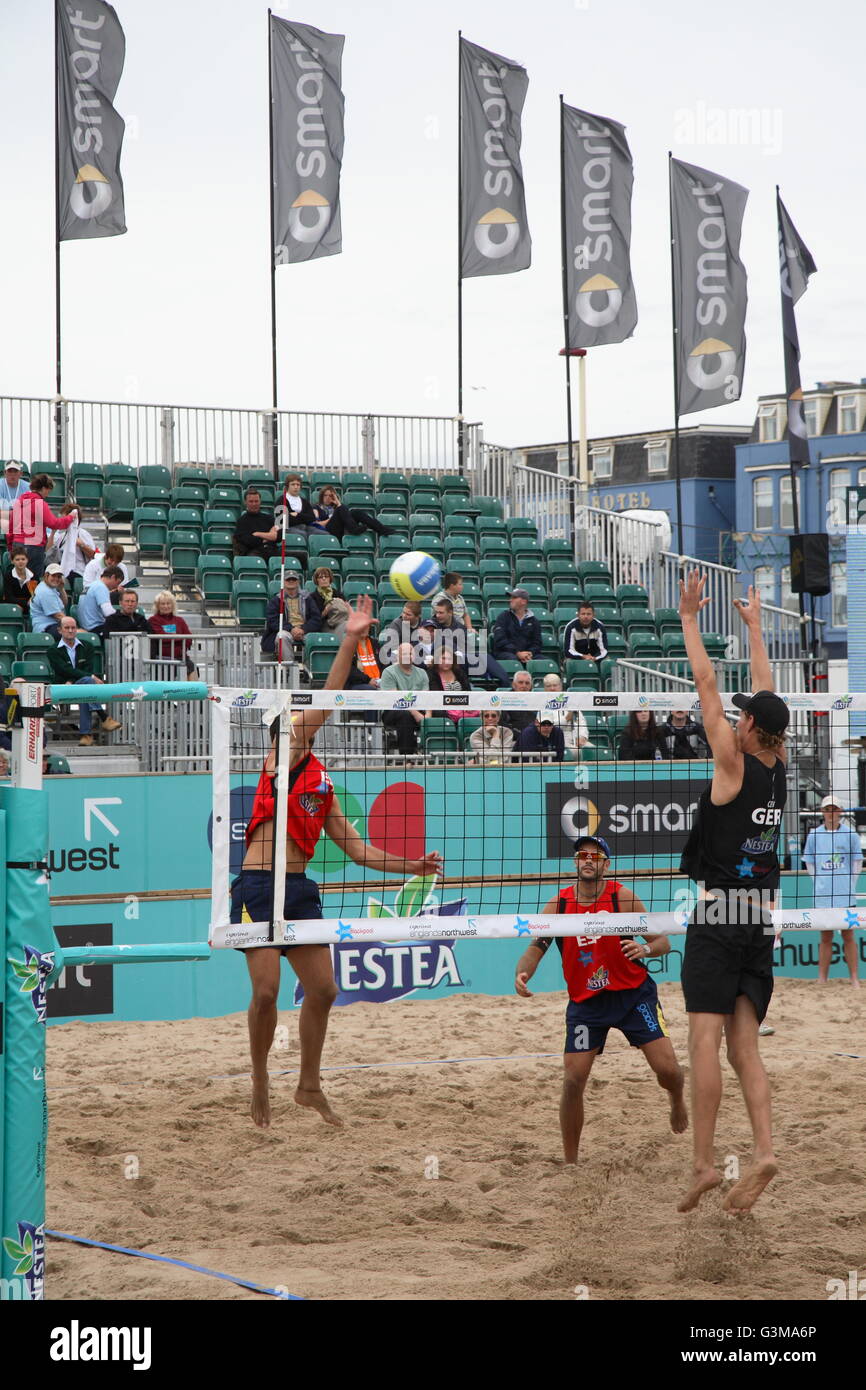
{"type": "Point", "coordinates": [679, 1114]}
{"type": "Point", "coordinates": [260, 1109]}
{"type": "Point", "coordinates": [745, 1193]}
{"type": "Point", "coordinates": [317, 1100]}
{"type": "Point", "coordinates": [704, 1180]}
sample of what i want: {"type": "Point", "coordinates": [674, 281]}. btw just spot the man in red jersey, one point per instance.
{"type": "Point", "coordinates": [312, 808]}
{"type": "Point", "coordinates": [608, 987]}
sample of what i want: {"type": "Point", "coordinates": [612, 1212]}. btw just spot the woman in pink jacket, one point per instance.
{"type": "Point", "coordinates": [30, 520]}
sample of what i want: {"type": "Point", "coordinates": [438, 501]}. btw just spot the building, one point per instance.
{"type": "Point", "coordinates": [836, 424]}
{"type": "Point", "coordinates": [629, 471]}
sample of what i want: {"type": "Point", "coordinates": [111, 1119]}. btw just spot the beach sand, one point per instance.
{"type": "Point", "coordinates": [447, 1181]}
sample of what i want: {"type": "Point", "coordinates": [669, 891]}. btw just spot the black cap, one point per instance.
{"type": "Point", "coordinates": [768, 711]}
{"type": "Point", "coordinates": [593, 840]}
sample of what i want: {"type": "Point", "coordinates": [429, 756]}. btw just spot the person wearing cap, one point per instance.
{"type": "Point", "coordinates": [833, 855]}
{"type": "Point", "coordinates": [542, 737]}
{"type": "Point", "coordinates": [732, 851]}
{"type": "Point", "coordinates": [608, 987]}
{"type": "Point", "coordinates": [12, 485]}
{"type": "Point", "coordinates": [297, 616]}
{"type": "Point", "coordinates": [48, 603]}
{"type": "Point", "coordinates": [517, 631]}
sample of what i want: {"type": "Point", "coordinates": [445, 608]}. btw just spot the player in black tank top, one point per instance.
{"type": "Point", "coordinates": [732, 855]}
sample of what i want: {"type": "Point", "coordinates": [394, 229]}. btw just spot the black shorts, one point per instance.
{"type": "Point", "coordinates": [722, 961]}
{"type": "Point", "coordinates": [252, 890]}
{"type": "Point", "coordinates": [637, 1014]}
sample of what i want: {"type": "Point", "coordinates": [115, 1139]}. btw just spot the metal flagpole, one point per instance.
{"type": "Point", "coordinates": [566, 352]}
{"type": "Point", "coordinates": [680, 547]}
{"type": "Point", "coordinates": [58, 406]}
{"type": "Point", "coordinates": [275, 427]}
{"type": "Point", "coordinates": [461, 444]}
{"type": "Point", "coordinates": [795, 506]}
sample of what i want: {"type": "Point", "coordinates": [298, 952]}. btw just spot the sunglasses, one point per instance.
{"type": "Point", "coordinates": [591, 855]}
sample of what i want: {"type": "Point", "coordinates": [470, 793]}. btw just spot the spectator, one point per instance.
{"type": "Point", "coordinates": [256, 531]}
{"type": "Point", "coordinates": [403, 674]}
{"type": "Point", "coordinates": [298, 616]}
{"type": "Point", "coordinates": [406, 628]}
{"type": "Point", "coordinates": [444, 674]}
{"type": "Point", "coordinates": [19, 583]}
{"type": "Point", "coordinates": [73, 549]}
{"type": "Point", "coordinates": [114, 554]}
{"type": "Point", "coordinates": [31, 519]}
{"type": "Point", "coordinates": [452, 589]}
{"type": "Point", "coordinates": [574, 726]}
{"type": "Point", "coordinates": [71, 663]}
{"type": "Point", "coordinates": [301, 516]}
{"type": "Point", "coordinates": [12, 485]}
{"type": "Point", "coordinates": [585, 636]}
{"type": "Point", "coordinates": [327, 604]}
{"type": "Point", "coordinates": [96, 606]}
{"type": "Point", "coordinates": [164, 621]}
{"type": "Point", "coordinates": [48, 603]}
{"type": "Point", "coordinates": [126, 618]}
{"type": "Point", "coordinates": [833, 856]}
{"type": "Point", "coordinates": [543, 738]}
{"type": "Point", "coordinates": [492, 742]}
{"type": "Point", "coordinates": [340, 521]}
{"type": "Point", "coordinates": [517, 632]}
{"type": "Point", "coordinates": [447, 635]}
{"type": "Point", "coordinates": [640, 740]}
{"type": "Point", "coordinates": [683, 737]}
{"type": "Point", "coordinates": [518, 719]}
{"type": "Point", "coordinates": [473, 657]}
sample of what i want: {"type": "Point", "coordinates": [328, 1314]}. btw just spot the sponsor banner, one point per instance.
{"type": "Point", "coordinates": [598, 182]}
{"type": "Point", "coordinates": [637, 816]}
{"type": "Point", "coordinates": [795, 267]}
{"type": "Point", "coordinates": [307, 129]}
{"type": "Point", "coordinates": [494, 235]}
{"type": "Point", "coordinates": [709, 287]}
{"type": "Point", "coordinates": [90, 52]}
{"type": "Point", "coordinates": [83, 991]}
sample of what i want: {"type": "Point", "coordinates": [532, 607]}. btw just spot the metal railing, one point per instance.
{"type": "Point", "coordinates": [628, 546]}
{"type": "Point", "coordinates": [670, 673]}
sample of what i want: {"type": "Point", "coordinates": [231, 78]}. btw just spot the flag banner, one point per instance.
{"type": "Point", "coordinates": [709, 287]}
{"type": "Point", "coordinates": [90, 52]}
{"type": "Point", "coordinates": [795, 267]}
{"type": "Point", "coordinates": [307, 130]}
{"type": "Point", "coordinates": [598, 178]}
{"type": "Point", "coordinates": [494, 233]}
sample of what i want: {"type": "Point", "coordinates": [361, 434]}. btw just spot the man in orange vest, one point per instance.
{"type": "Point", "coordinates": [608, 987]}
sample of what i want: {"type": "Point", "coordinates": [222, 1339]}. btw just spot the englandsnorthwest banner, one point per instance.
{"type": "Point", "coordinates": [597, 184]}
{"type": "Point", "coordinates": [90, 53]}
{"type": "Point", "coordinates": [709, 287]}
{"type": "Point", "coordinates": [795, 267]}
{"type": "Point", "coordinates": [494, 233]}
{"type": "Point", "coordinates": [307, 138]}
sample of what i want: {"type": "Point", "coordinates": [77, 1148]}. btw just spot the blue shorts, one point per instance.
{"type": "Point", "coordinates": [252, 890]}
{"type": "Point", "coordinates": [635, 1012]}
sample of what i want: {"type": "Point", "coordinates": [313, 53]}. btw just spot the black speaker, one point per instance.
{"type": "Point", "coordinates": [810, 564]}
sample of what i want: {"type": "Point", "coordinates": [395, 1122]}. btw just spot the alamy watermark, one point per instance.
{"type": "Point", "coordinates": [757, 126]}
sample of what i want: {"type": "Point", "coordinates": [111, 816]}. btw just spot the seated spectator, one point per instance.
{"type": "Point", "coordinates": [517, 632]}
{"type": "Point", "coordinates": [574, 726]}
{"type": "Point", "coordinates": [19, 583]}
{"type": "Point", "coordinates": [48, 603]}
{"type": "Point", "coordinates": [327, 605]}
{"type": "Point", "coordinates": [640, 741]}
{"type": "Point", "coordinates": [12, 485]}
{"type": "Point", "coordinates": [71, 663]}
{"type": "Point", "coordinates": [30, 520]}
{"type": "Point", "coordinates": [519, 719]}
{"type": "Point", "coordinates": [443, 673]}
{"type": "Point", "coordinates": [585, 636]}
{"type": "Point", "coordinates": [683, 737]}
{"type": "Point", "coordinates": [72, 549]}
{"type": "Point", "coordinates": [340, 521]}
{"type": "Point", "coordinates": [256, 531]}
{"type": "Point", "coordinates": [542, 739]}
{"type": "Point", "coordinates": [164, 621]}
{"type": "Point", "coordinates": [406, 628]}
{"type": "Point", "coordinates": [452, 589]}
{"type": "Point", "coordinates": [403, 674]}
{"type": "Point", "coordinates": [298, 616]}
{"type": "Point", "coordinates": [95, 606]}
{"type": "Point", "coordinates": [492, 742]}
{"type": "Point", "coordinates": [126, 618]}
{"type": "Point", "coordinates": [448, 635]}
{"type": "Point", "coordinates": [300, 515]}
{"type": "Point", "coordinates": [114, 554]}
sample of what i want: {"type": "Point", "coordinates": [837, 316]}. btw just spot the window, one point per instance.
{"type": "Point", "coordinates": [810, 415]}
{"type": "Point", "coordinates": [602, 463]}
{"type": "Point", "coordinates": [839, 483]}
{"type": "Point", "coordinates": [657, 451]}
{"type": "Point", "coordinates": [787, 599]}
{"type": "Point", "coordinates": [562, 467]}
{"type": "Point", "coordinates": [764, 580]}
{"type": "Point", "coordinates": [762, 504]}
{"type": "Point", "coordinates": [786, 509]}
{"type": "Point", "coordinates": [769, 424]}
{"type": "Point", "coordinates": [839, 581]}
{"type": "Point", "coordinates": [848, 413]}
{"type": "Point", "coordinates": [861, 477]}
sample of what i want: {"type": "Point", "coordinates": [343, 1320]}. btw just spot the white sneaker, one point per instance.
{"type": "Point", "coordinates": [765, 1031]}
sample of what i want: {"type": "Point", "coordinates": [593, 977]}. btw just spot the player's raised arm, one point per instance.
{"type": "Point", "coordinates": [358, 624]}
{"type": "Point", "coordinates": [749, 610]}
{"type": "Point", "coordinates": [719, 732]}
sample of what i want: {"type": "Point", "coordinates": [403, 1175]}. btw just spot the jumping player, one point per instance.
{"type": "Point", "coordinates": [608, 987]}
{"type": "Point", "coordinates": [312, 808]}
{"type": "Point", "coordinates": [727, 972]}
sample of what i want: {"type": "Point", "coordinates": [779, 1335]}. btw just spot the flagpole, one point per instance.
{"type": "Point", "coordinates": [58, 408]}
{"type": "Point", "coordinates": [275, 424]}
{"type": "Point", "coordinates": [461, 461]}
{"type": "Point", "coordinates": [567, 349]}
{"type": "Point", "coordinates": [680, 547]}
{"type": "Point", "coordinates": [795, 506]}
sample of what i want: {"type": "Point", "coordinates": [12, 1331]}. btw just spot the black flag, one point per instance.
{"type": "Point", "coordinates": [795, 267]}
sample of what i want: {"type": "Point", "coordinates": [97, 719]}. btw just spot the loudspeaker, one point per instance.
{"type": "Point", "coordinates": [810, 564]}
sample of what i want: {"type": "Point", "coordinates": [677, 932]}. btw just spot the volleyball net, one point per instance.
{"type": "Point", "coordinates": [504, 811]}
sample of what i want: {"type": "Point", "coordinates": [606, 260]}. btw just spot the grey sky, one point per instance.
{"type": "Point", "coordinates": [177, 310]}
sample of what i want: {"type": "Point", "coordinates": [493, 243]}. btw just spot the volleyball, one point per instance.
{"type": "Point", "coordinates": [415, 575]}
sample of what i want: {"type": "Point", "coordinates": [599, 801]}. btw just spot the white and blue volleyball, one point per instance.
{"type": "Point", "coordinates": [415, 575]}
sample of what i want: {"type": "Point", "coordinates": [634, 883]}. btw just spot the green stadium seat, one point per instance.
{"type": "Point", "coordinates": [542, 666]}
{"type": "Point", "coordinates": [617, 645]}
{"type": "Point", "coordinates": [226, 495]}
{"type": "Point", "coordinates": [154, 495]}
{"type": "Point", "coordinates": [452, 482]}
{"type": "Point", "coordinates": [459, 503]}
{"type": "Point", "coordinates": [184, 548]}
{"type": "Point", "coordinates": [636, 613]}
{"type": "Point", "coordinates": [11, 618]}
{"type": "Point", "coordinates": [559, 567]}
{"type": "Point", "coordinates": [320, 648]}
{"type": "Point", "coordinates": [214, 577]}
{"type": "Point", "coordinates": [392, 546]}
{"type": "Point", "coordinates": [118, 501]}
{"type": "Point", "coordinates": [632, 593]}
{"type": "Point", "coordinates": [358, 567]}
{"type": "Point", "coordinates": [35, 643]}
{"type": "Point", "coordinates": [150, 528]}
{"type": "Point", "coordinates": [353, 588]}
{"type": "Point", "coordinates": [604, 612]}
{"type": "Point", "coordinates": [537, 592]}
{"type": "Point", "coordinates": [566, 591]}
{"type": "Point", "coordinates": [490, 525]}
{"type": "Point", "coordinates": [185, 519]}
{"type": "Point", "coordinates": [193, 494]}
{"type": "Point", "coordinates": [525, 568]}
{"type": "Point", "coordinates": [87, 484]}
{"type": "Point", "coordinates": [493, 543]}
{"type": "Point", "coordinates": [594, 569]}
{"type": "Point", "coordinates": [392, 497]}
{"type": "Point", "coordinates": [494, 567]}
{"type": "Point", "coordinates": [355, 479]}
{"type": "Point", "coordinates": [249, 599]}
{"type": "Point", "coordinates": [667, 620]}
{"type": "Point", "coordinates": [599, 591]}
{"type": "Point", "coordinates": [520, 525]}
{"type": "Point", "coordinates": [716, 645]}
{"type": "Point", "coordinates": [218, 542]}
{"type": "Point", "coordinates": [424, 500]}
{"type": "Point", "coordinates": [121, 473]}
{"type": "Point", "coordinates": [359, 497]}
{"type": "Point", "coordinates": [190, 473]}
{"type": "Point", "coordinates": [33, 669]}
{"type": "Point", "coordinates": [601, 752]}
{"type": "Point", "coordinates": [296, 544]}
{"type": "Point", "coordinates": [221, 517]}
{"type": "Point", "coordinates": [460, 525]}
{"type": "Point", "coordinates": [425, 521]}
{"type": "Point", "coordinates": [56, 765]}
{"type": "Point", "coordinates": [525, 543]}
{"type": "Point", "coordinates": [510, 667]}
{"type": "Point", "coordinates": [325, 477]}
{"type": "Point", "coordinates": [439, 736]}
{"type": "Point", "coordinates": [57, 473]}
{"type": "Point", "coordinates": [8, 644]}
{"type": "Point", "coordinates": [355, 544]}
{"type": "Point", "coordinates": [154, 475]}
{"type": "Point", "coordinates": [489, 506]}
{"type": "Point", "coordinates": [395, 517]}
{"type": "Point", "coordinates": [558, 546]}
{"type": "Point", "coordinates": [292, 563]}
{"type": "Point", "coordinates": [249, 567]}
{"type": "Point", "coordinates": [644, 646]}
{"type": "Point", "coordinates": [584, 675]}
{"type": "Point", "coordinates": [424, 481]}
